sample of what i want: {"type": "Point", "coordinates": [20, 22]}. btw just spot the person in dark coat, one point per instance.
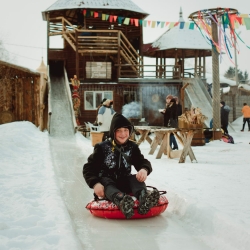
{"type": "Point", "coordinates": [171, 118]}
{"type": "Point", "coordinates": [108, 170]}
{"type": "Point", "coordinates": [178, 106]}
{"type": "Point", "coordinates": [224, 113]}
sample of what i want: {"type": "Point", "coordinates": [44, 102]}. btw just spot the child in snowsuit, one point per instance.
{"type": "Point", "coordinates": [108, 170]}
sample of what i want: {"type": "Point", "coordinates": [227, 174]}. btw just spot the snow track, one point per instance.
{"type": "Point", "coordinates": [186, 224]}
{"type": "Point", "coordinates": [69, 155]}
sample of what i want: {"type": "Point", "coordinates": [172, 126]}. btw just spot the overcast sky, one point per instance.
{"type": "Point", "coordinates": [23, 32]}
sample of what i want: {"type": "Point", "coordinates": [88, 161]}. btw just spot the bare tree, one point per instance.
{"type": "Point", "coordinates": [4, 54]}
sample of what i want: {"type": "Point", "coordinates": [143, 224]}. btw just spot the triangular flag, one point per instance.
{"type": "Point", "coordinates": [140, 21]}
{"type": "Point", "coordinates": [144, 23]}
{"type": "Point", "coordinates": [226, 20]}
{"type": "Point", "coordinates": [167, 23]}
{"type": "Point", "coordinates": [96, 14]}
{"type": "Point", "coordinates": [103, 17]}
{"type": "Point", "coordinates": [131, 21]}
{"type": "Point", "coordinates": [171, 25]}
{"type": "Point", "coordinates": [243, 18]}
{"type": "Point", "coordinates": [162, 24]}
{"type": "Point", "coordinates": [153, 24]}
{"type": "Point", "coordinates": [91, 13]}
{"type": "Point", "coordinates": [176, 24]}
{"type": "Point", "coordinates": [232, 20]}
{"type": "Point", "coordinates": [120, 19]}
{"type": "Point", "coordinates": [84, 12]}
{"type": "Point", "coordinates": [111, 18]}
{"type": "Point", "coordinates": [158, 22]}
{"type": "Point", "coordinates": [191, 26]}
{"type": "Point", "coordinates": [107, 17]}
{"type": "Point", "coordinates": [239, 20]}
{"type": "Point", "coordinates": [149, 22]}
{"type": "Point", "coordinates": [247, 23]}
{"type": "Point", "coordinates": [182, 25]}
{"type": "Point", "coordinates": [136, 22]}
{"type": "Point", "coordinates": [126, 20]}
{"type": "Point", "coordinates": [115, 18]}
{"type": "Point", "coordinates": [186, 25]}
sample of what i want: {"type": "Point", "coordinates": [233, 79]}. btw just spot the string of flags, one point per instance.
{"type": "Point", "coordinates": [241, 19]}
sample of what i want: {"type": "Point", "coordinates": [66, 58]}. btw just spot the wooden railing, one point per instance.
{"type": "Point", "coordinates": [128, 62]}
{"type": "Point", "coordinates": [99, 42]}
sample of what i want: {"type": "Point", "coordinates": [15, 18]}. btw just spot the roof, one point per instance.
{"type": "Point", "coordinates": [222, 78]}
{"type": "Point", "coordinates": [181, 39]}
{"type": "Point", "coordinates": [95, 4]}
{"type": "Point", "coordinates": [177, 38]}
{"type": "Point", "coordinates": [20, 68]}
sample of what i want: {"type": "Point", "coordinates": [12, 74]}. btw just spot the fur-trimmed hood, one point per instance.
{"type": "Point", "coordinates": [119, 121]}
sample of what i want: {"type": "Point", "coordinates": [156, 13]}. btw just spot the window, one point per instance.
{"type": "Point", "coordinates": [92, 99]}
{"type": "Point", "coordinates": [129, 96]}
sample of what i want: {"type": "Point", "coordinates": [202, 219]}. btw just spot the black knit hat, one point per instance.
{"type": "Point", "coordinates": [222, 103]}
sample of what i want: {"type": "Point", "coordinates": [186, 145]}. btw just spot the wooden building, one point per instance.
{"type": "Point", "coordinates": [22, 95]}
{"type": "Point", "coordinates": [103, 46]}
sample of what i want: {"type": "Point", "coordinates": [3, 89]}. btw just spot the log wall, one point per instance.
{"type": "Point", "coordinates": [19, 94]}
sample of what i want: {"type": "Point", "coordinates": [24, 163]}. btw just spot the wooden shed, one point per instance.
{"type": "Point", "coordinates": [21, 97]}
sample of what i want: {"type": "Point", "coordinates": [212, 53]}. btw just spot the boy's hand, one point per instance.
{"type": "Point", "coordinates": [99, 190]}
{"type": "Point", "coordinates": [141, 176]}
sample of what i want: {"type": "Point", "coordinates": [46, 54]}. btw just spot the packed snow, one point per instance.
{"type": "Point", "coordinates": [208, 199]}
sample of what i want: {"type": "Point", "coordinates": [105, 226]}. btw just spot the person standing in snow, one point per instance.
{"type": "Point", "coordinates": [171, 119]}
{"type": "Point", "coordinates": [104, 117]}
{"type": "Point", "coordinates": [246, 116]}
{"type": "Point", "coordinates": [108, 170]}
{"type": "Point", "coordinates": [97, 110]}
{"type": "Point", "coordinates": [224, 113]}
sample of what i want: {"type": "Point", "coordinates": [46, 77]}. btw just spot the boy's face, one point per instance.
{"type": "Point", "coordinates": [121, 135]}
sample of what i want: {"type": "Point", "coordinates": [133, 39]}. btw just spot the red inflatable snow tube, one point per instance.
{"type": "Point", "coordinates": [107, 209]}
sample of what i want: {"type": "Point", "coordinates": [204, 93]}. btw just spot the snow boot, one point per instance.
{"type": "Point", "coordinates": [147, 200]}
{"type": "Point", "coordinates": [125, 203]}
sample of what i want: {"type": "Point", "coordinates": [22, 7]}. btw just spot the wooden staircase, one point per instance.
{"type": "Point", "coordinates": [107, 42]}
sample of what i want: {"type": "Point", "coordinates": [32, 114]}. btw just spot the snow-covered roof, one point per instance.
{"type": "Point", "coordinates": [19, 67]}
{"type": "Point", "coordinates": [244, 86]}
{"type": "Point", "coordinates": [176, 38]}
{"type": "Point", "coordinates": [95, 4]}
{"type": "Point", "coordinates": [223, 79]}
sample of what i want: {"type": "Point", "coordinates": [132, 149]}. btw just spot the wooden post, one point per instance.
{"type": "Point", "coordinates": [216, 84]}
{"type": "Point", "coordinates": [118, 56]}
{"type": "Point", "coordinates": [48, 38]}
{"type": "Point", "coordinates": [77, 54]}
{"type": "Point", "coordinates": [183, 96]}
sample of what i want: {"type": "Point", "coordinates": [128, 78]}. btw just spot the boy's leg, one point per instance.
{"type": "Point", "coordinates": [124, 202]}
{"type": "Point", "coordinates": [147, 199]}
{"type": "Point", "coordinates": [110, 188]}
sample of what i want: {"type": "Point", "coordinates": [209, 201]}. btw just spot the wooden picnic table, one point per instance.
{"type": "Point", "coordinates": [162, 139]}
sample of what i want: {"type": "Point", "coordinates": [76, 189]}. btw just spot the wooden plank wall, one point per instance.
{"type": "Point", "coordinates": [144, 92]}
{"type": "Point", "coordinates": [20, 94]}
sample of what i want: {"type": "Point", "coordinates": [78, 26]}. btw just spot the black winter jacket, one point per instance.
{"type": "Point", "coordinates": [170, 113]}
{"type": "Point", "coordinates": [108, 161]}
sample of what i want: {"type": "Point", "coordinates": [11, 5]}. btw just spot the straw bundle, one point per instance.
{"type": "Point", "coordinates": [192, 116]}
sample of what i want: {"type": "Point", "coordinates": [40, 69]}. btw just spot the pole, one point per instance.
{"type": "Point", "coordinates": [236, 79]}
{"type": "Point", "coordinates": [216, 85]}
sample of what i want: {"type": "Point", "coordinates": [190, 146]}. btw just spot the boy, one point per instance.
{"type": "Point", "coordinates": [108, 170]}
